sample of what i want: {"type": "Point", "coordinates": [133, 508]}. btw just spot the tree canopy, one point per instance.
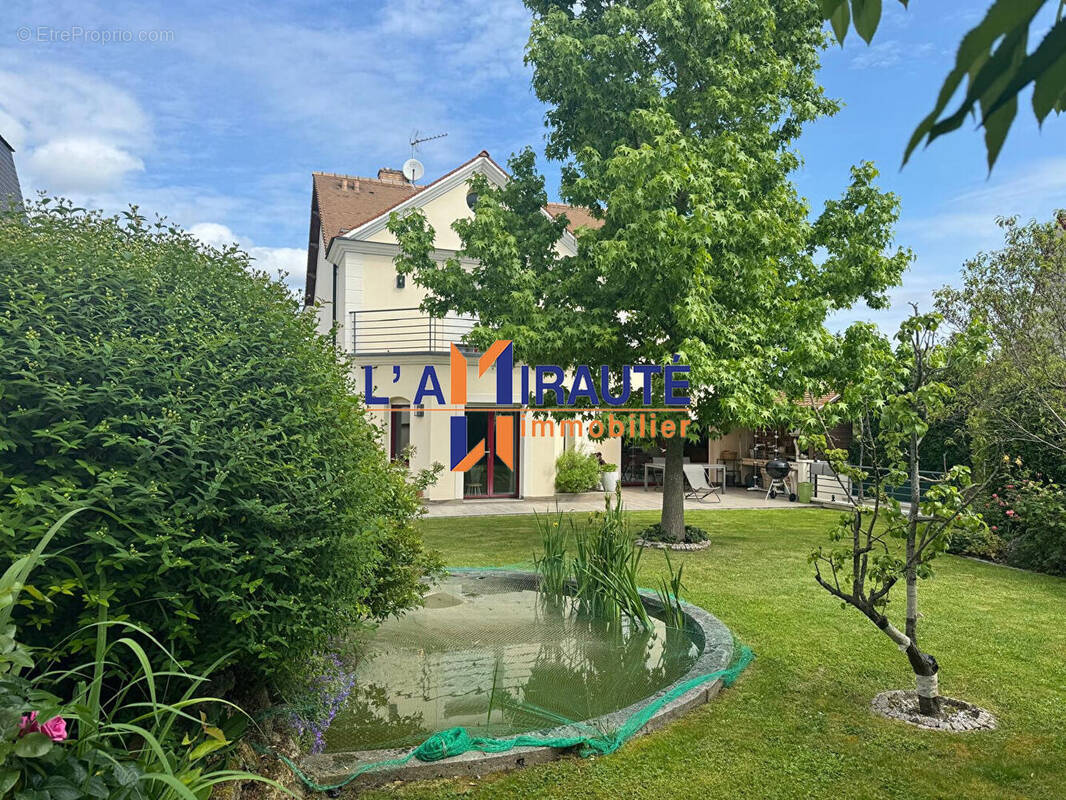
{"type": "Point", "coordinates": [1018, 397]}
{"type": "Point", "coordinates": [674, 124]}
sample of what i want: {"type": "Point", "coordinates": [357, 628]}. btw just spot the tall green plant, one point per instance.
{"type": "Point", "coordinates": [605, 567]}
{"type": "Point", "coordinates": [555, 530]}
{"type": "Point", "coordinates": [675, 126]}
{"type": "Point", "coordinates": [124, 742]}
{"type": "Point", "coordinates": [669, 592]}
{"type": "Point", "coordinates": [893, 394]}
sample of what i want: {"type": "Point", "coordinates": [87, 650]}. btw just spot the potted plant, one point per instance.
{"type": "Point", "coordinates": [608, 475]}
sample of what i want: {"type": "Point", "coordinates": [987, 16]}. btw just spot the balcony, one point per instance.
{"type": "Point", "coordinates": [404, 330]}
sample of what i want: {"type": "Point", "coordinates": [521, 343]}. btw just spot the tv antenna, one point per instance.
{"type": "Point", "coordinates": [417, 139]}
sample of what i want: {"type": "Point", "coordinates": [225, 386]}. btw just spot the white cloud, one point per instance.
{"type": "Point", "coordinates": [287, 262]}
{"type": "Point", "coordinates": [81, 133]}
{"type": "Point", "coordinates": [72, 164]}
{"type": "Point", "coordinates": [365, 87]}
{"type": "Point", "coordinates": [889, 53]}
{"type": "Point", "coordinates": [969, 218]}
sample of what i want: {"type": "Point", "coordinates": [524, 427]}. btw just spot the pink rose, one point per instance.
{"type": "Point", "coordinates": [995, 527]}
{"type": "Point", "coordinates": [55, 729]}
{"type": "Point", "coordinates": [29, 724]}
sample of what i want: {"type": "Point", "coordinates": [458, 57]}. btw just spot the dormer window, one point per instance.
{"type": "Point", "coordinates": [401, 280]}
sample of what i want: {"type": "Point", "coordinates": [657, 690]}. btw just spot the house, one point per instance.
{"type": "Point", "coordinates": [10, 192]}
{"type": "Point", "coordinates": [353, 285]}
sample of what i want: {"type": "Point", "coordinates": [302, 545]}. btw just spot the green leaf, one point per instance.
{"type": "Point", "coordinates": [206, 747]}
{"type": "Point", "coordinates": [33, 745]}
{"type": "Point", "coordinates": [867, 14]}
{"type": "Point", "coordinates": [95, 787]}
{"type": "Point", "coordinates": [829, 6]}
{"type": "Point", "coordinates": [7, 780]}
{"type": "Point", "coordinates": [125, 775]}
{"type": "Point", "coordinates": [840, 20]}
{"type": "Point", "coordinates": [9, 722]}
{"type": "Point", "coordinates": [1046, 66]}
{"type": "Point", "coordinates": [59, 788]}
{"type": "Point", "coordinates": [996, 128]}
{"type": "Point", "coordinates": [1003, 19]}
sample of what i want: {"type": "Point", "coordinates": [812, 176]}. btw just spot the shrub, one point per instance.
{"type": "Point", "coordinates": [982, 542]}
{"type": "Point", "coordinates": [1029, 515]}
{"type": "Point", "coordinates": [165, 382]}
{"type": "Point", "coordinates": [576, 471]}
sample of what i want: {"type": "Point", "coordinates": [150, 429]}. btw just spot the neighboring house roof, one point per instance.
{"type": "Point", "coordinates": [577, 216]}
{"type": "Point", "coordinates": [819, 402]}
{"type": "Point", "coordinates": [9, 179]}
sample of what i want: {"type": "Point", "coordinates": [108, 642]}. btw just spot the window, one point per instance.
{"type": "Point", "coordinates": [401, 280]}
{"type": "Point", "coordinates": [471, 201]}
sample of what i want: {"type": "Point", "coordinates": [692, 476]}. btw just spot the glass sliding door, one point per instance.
{"type": "Point", "coordinates": [491, 477]}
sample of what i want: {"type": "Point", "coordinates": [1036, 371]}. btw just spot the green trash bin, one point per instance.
{"type": "Point", "coordinates": [804, 491]}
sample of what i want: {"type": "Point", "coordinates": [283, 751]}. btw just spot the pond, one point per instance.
{"type": "Point", "coordinates": [490, 654]}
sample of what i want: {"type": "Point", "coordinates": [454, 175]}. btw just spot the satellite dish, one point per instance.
{"type": "Point", "coordinates": [413, 169]}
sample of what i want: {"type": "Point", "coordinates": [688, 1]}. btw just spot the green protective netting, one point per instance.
{"type": "Point", "coordinates": [490, 665]}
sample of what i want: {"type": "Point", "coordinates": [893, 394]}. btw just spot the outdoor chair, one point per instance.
{"type": "Point", "coordinates": [699, 488]}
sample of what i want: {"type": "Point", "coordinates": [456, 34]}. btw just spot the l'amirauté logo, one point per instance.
{"type": "Point", "coordinates": [536, 383]}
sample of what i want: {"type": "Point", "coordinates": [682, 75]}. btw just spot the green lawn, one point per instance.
{"type": "Point", "coordinates": [797, 723]}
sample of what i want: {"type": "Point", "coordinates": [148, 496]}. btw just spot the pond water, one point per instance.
{"type": "Point", "coordinates": [498, 659]}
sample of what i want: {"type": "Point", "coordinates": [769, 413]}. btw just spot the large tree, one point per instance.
{"type": "Point", "coordinates": [674, 123]}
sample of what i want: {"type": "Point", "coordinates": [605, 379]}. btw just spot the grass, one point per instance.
{"type": "Point", "coordinates": [797, 723]}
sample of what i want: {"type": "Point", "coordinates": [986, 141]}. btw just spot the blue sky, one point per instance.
{"type": "Point", "coordinates": [219, 118]}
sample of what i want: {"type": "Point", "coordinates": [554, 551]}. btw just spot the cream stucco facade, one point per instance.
{"type": "Point", "coordinates": [378, 325]}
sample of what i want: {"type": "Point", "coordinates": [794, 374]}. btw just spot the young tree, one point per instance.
{"type": "Point", "coordinates": [674, 123]}
{"type": "Point", "coordinates": [892, 396]}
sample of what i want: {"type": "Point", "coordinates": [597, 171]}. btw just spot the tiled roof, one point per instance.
{"type": "Point", "coordinates": [577, 216]}
{"type": "Point", "coordinates": [819, 402]}
{"type": "Point", "coordinates": [347, 201]}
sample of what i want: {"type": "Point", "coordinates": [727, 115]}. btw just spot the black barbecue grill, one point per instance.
{"type": "Point", "coordinates": [780, 474]}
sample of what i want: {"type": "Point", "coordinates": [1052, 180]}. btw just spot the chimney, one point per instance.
{"type": "Point", "coordinates": [387, 175]}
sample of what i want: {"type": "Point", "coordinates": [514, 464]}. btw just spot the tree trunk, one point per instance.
{"type": "Point", "coordinates": [673, 518]}
{"type": "Point", "coordinates": [926, 671]}
{"type": "Point", "coordinates": [924, 665]}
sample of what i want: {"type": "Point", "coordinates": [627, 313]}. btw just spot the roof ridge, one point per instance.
{"type": "Point", "coordinates": [362, 178]}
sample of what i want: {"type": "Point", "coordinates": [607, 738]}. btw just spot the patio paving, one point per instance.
{"type": "Point", "coordinates": [636, 498]}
